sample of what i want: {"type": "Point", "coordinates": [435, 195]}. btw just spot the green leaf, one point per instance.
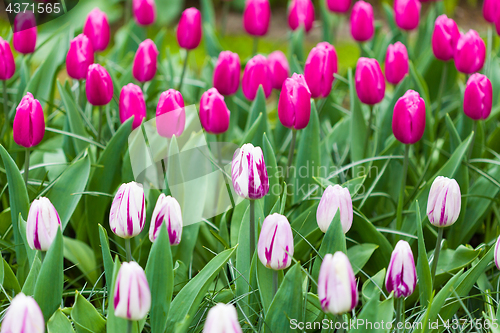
{"type": "Point", "coordinates": [359, 255]}
{"type": "Point", "coordinates": [9, 279]}
{"type": "Point", "coordinates": [265, 283]}
{"type": "Point", "coordinates": [297, 44]}
{"type": "Point", "coordinates": [259, 106]}
{"type": "Point", "coordinates": [272, 171]}
{"type": "Point", "coordinates": [106, 257]}
{"type": "Point", "coordinates": [372, 288]}
{"type": "Point", "coordinates": [423, 270]}
{"type": "Point", "coordinates": [82, 256]}
{"type": "Point", "coordinates": [251, 132]}
{"type": "Point", "coordinates": [59, 323]}
{"type": "Point", "coordinates": [375, 311]}
{"type": "Point", "coordinates": [358, 125]}
{"type": "Point", "coordinates": [30, 283]}
{"type": "Point", "coordinates": [86, 317]}
{"type": "Point", "coordinates": [29, 251]}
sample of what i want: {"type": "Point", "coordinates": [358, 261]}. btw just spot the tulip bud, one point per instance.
{"type": "Point", "coordinates": [275, 246]}
{"type": "Point", "coordinates": [189, 29]}
{"type": "Point", "coordinates": [167, 209]}
{"type": "Point", "coordinates": [490, 9]}
{"type": "Point", "coordinates": [444, 38]}
{"type": "Point", "coordinates": [128, 212]}
{"type": "Point", "coordinates": [25, 32]}
{"type": "Point", "coordinates": [337, 289]}
{"type": "Point", "coordinates": [29, 122]}
{"type": "Point", "coordinates": [396, 63]}
{"type": "Point", "coordinates": [294, 106]}
{"type": "Point", "coordinates": [23, 316]}
{"type": "Point", "coordinates": [80, 56]}
{"type": "Point", "coordinates": [319, 70]}
{"type": "Point", "coordinates": [96, 28]}
{"type": "Point", "coordinates": [214, 114]}
{"type": "Point", "coordinates": [249, 173]}
{"type": "Point", "coordinates": [227, 73]}
{"type": "Point", "coordinates": [42, 224]}
{"type": "Point", "coordinates": [7, 63]}
{"type": "Point", "coordinates": [256, 73]}
{"type": "Point", "coordinates": [362, 21]}
{"type": "Point", "coordinates": [145, 61]}
{"type": "Point", "coordinates": [99, 87]}
{"type": "Point", "coordinates": [407, 13]}
{"type": "Point", "coordinates": [144, 11]}
{"type": "Point", "coordinates": [497, 253]}
{"type": "Point", "coordinates": [301, 13]}
{"type": "Point", "coordinates": [401, 275]}
{"type": "Point", "coordinates": [222, 318]}
{"type": "Point", "coordinates": [256, 17]}
{"type": "Point", "coordinates": [470, 52]}
{"type": "Point", "coordinates": [132, 103]}
{"type": "Point", "coordinates": [478, 97]}
{"type": "Point", "coordinates": [338, 6]}
{"type": "Point", "coordinates": [335, 200]}
{"type": "Point", "coordinates": [369, 81]}
{"type": "Point", "coordinates": [443, 205]}
{"type": "Point", "coordinates": [170, 114]}
{"type": "Point", "coordinates": [132, 298]}
{"type": "Point", "coordinates": [408, 119]}
{"type": "Point", "coordinates": [278, 65]}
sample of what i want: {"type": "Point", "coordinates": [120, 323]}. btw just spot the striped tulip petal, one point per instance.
{"type": "Point", "coordinates": [249, 173]}
{"type": "Point", "coordinates": [444, 203]}
{"type": "Point", "coordinates": [23, 316]}
{"type": "Point", "coordinates": [128, 211]}
{"type": "Point", "coordinates": [41, 226]}
{"type": "Point", "coordinates": [167, 209]}
{"type": "Point", "coordinates": [275, 246]}
{"type": "Point", "coordinates": [132, 297]}
{"type": "Point", "coordinates": [401, 275]}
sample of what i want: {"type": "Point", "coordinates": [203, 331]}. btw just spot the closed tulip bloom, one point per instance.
{"type": "Point", "coordinates": [301, 14]}
{"type": "Point", "coordinates": [294, 106]}
{"type": "Point", "coordinates": [478, 97]}
{"type": "Point", "coordinates": [23, 316]}
{"type": "Point", "coordinates": [170, 114]}
{"type": "Point", "coordinates": [338, 6]}
{"type": "Point", "coordinates": [227, 73]}
{"type": "Point", "coordinates": [222, 318]}
{"type": "Point", "coordinates": [337, 289]}
{"type": "Point", "coordinates": [99, 87]}
{"type": "Point", "coordinates": [497, 253]}
{"type": "Point", "coordinates": [145, 61]}
{"type": "Point", "coordinates": [362, 21]}
{"type": "Point", "coordinates": [443, 205]}
{"type": "Point", "coordinates": [80, 56]}
{"type": "Point", "coordinates": [275, 246]}
{"type": "Point", "coordinates": [96, 28]}
{"type": "Point", "coordinates": [128, 211]}
{"type": "Point", "coordinates": [320, 68]}
{"type": "Point", "coordinates": [249, 173]}
{"type": "Point", "coordinates": [132, 103]}
{"type": "Point", "coordinates": [335, 200]}
{"type": "Point", "coordinates": [408, 119]}
{"type": "Point", "coordinates": [29, 122]}
{"type": "Point", "coordinates": [369, 81]}
{"type": "Point", "coordinates": [144, 11]}
{"type": "Point", "coordinates": [189, 29]}
{"type": "Point", "coordinates": [444, 38]}
{"type": "Point", "coordinates": [167, 210]}
{"type": "Point", "coordinates": [407, 13]}
{"type": "Point", "coordinates": [256, 17]}
{"type": "Point", "coordinates": [132, 297]}
{"type": "Point", "coordinates": [7, 63]}
{"type": "Point", "coordinates": [396, 63]}
{"type": "Point", "coordinates": [214, 114]}
{"type": "Point", "coordinates": [401, 275]}
{"type": "Point", "coordinates": [256, 73]}
{"type": "Point", "coordinates": [490, 8]}
{"type": "Point", "coordinates": [470, 53]}
{"type": "Point", "coordinates": [278, 65]}
{"type": "Point", "coordinates": [25, 33]}
{"type": "Point", "coordinates": [42, 224]}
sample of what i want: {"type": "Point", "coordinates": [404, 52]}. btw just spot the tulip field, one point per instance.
{"type": "Point", "coordinates": [205, 167]}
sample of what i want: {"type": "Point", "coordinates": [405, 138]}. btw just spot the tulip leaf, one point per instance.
{"type": "Point", "coordinates": [9, 279]}
{"type": "Point", "coordinates": [251, 132]}
{"type": "Point", "coordinates": [272, 171]}
{"type": "Point", "coordinates": [30, 252]}
{"type": "Point", "coordinates": [297, 44]}
{"type": "Point", "coordinates": [30, 283]}
{"type": "Point", "coordinates": [373, 287]}
{"type": "Point", "coordinates": [59, 323]}
{"type": "Point", "coordinates": [375, 311]}
{"type": "Point", "coordinates": [106, 256]}
{"type": "Point", "coordinates": [86, 317]}
{"type": "Point", "coordinates": [82, 256]}
{"type": "Point", "coordinates": [359, 255]}
{"type": "Point", "coordinates": [259, 106]}
{"type": "Point", "coordinates": [265, 284]}
{"type": "Point", "coordinates": [424, 273]}
{"type": "Point", "coordinates": [358, 125]}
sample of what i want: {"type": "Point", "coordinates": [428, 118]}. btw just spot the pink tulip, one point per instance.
{"type": "Point", "coordinates": [407, 13]}
{"type": "Point", "coordinates": [275, 245]}
{"type": "Point", "coordinates": [444, 38]}
{"type": "Point", "coordinates": [408, 119]}
{"type": "Point", "coordinates": [222, 318]}
{"type": "Point", "coordinates": [249, 173]}
{"type": "Point", "coordinates": [128, 211]}
{"type": "Point", "coordinates": [96, 28]}
{"type": "Point", "coordinates": [145, 61]}
{"type": "Point", "coordinates": [80, 56]}
{"type": "Point", "coordinates": [319, 70]}
{"type": "Point", "coordinates": [23, 316]}
{"type": "Point", "coordinates": [294, 106]}
{"type": "Point", "coordinates": [170, 114]}
{"type": "Point", "coordinates": [132, 296]}
{"type": "Point", "coordinates": [132, 103]}
{"type": "Point", "coordinates": [338, 6]}
{"type": "Point", "coordinates": [444, 202]}
{"type": "Point", "coordinates": [189, 29]}
{"type": "Point", "coordinates": [168, 211]}
{"type": "Point", "coordinates": [470, 53]}
{"type": "Point", "coordinates": [278, 65]}
{"type": "Point", "coordinates": [144, 11]}
{"type": "Point", "coordinates": [256, 17]}
{"type": "Point", "coordinates": [98, 86]}
{"type": "Point", "coordinates": [214, 114]}
{"type": "Point", "coordinates": [301, 13]}
{"type": "Point", "coordinates": [7, 63]}
{"type": "Point", "coordinates": [256, 73]}
{"type": "Point", "coordinates": [478, 97]}
{"type": "Point", "coordinates": [362, 21]}
{"type": "Point", "coordinates": [396, 63]}
{"type": "Point", "coordinates": [25, 32]}
{"type": "Point", "coordinates": [227, 73]}
{"type": "Point", "coordinates": [42, 224]}
{"type": "Point", "coordinates": [335, 200]}
{"type": "Point", "coordinates": [369, 81]}
{"type": "Point", "coordinates": [490, 10]}
{"type": "Point", "coordinates": [401, 274]}
{"type": "Point", "coordinates": [29, 122]}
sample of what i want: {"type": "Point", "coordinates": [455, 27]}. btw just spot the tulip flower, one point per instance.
{"type": "Point", "coordinates": [497, 253]}
{"type": "Point", "coordinates": [320, 68]}
{"type": "Point", "coordinates": [249, 173]}
{"type": "Point", "coordinates": [132, 103]}
{"type": "Point", "coordinates": [470, 53]}
{"type": "Point", "coordinates": [167, 210]}
{"type": "Point", "coordinates": [145, 61]}
{"type": "Point", "coordinates": [25, 32]}
{"type": "Point", "coordinates": [144, 11]}
{"type": "Point", "coordinates": [408, 120]}
{"type": "Point", "coordinates": [42, 224]}
{"type": "Point", "coordinates": [362, 21]}
{"type": "Point", "coordinates": [407, 14]}
{"type": "Point", "coordinates": [278, 65]}
{"type": "Point", "coordinates": [189, 29]}
{"type": "Point", "coordinates": [401, 275]}
{"type": "Point", "coordinates": [222, 318]}
{"type": "Point", "coordinates": [23, 316]}
{"type": "Point", "coordinates": [369, 81]}
{"type": "Point", "coordinates": [29, 122]}
{"type": "Point", "coordinates": [396, 63]}
{"type": "Point", "coordinates": [96, 28]}
{"type": "Point", "coordinates": [338, 6]}
{"type": "Point", "coordinates": [301, 14]}
{"type": "Point", "coordinates": [294, 106]}
{"type": "Point", "coordinates": [170, 114]}
{"type": "Point", "coordinates": [99, 87]}
{"type": "Point", "coordinates": [275, 246]}
{"type": "Point", "coordinates": [337, 289]}
{"type": "Point", "coordinates": [256, 73]}
{"type": "Point", "coordinates": [490, 10]}
{"type": "Point", "coordinates": [478, 97]}
{"type": "Point", "coordinates": [443, 205]}
{"type": "Point", "coordinates": [227, 73]}
{"type": "Point", "coordinates": [256, 17]}
{"type": "Point", "coordinates": [214, 114]}
{"type": "Point", "coordinates": [7, 63]}
{"type": "Point", "coordinates": [444, 38]}
{"type": "Point", "coordinates": [132, 297]}
{"type": "Point", "coordinates": [80, 56]}
{"type": "Point", "coordinates": [128, 211]}
{"type": "Point", "coordinates": [335, 200]}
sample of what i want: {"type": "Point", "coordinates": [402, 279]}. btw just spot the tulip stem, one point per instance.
{"type": "Point", "coordinates": [368, 131]}
{"type": "Point", "coordinates": [442, 85]}
{"type": "Point", "coordinates": [252, 229]}
{"type": "Point", "coordinates": [128, 250]}
{"type": "Point", "coordinates": [128, 10]}
{"type": "Point", "coordinates": [490, 45]}
{"type": "Point", "coordinates": [471, 148]}
{"type": "Point", "coordinates": [275, 282]}
{"type": "Point", "coordinates": [436, 254]}
{"type": "Point", "coordinates": [129, 326]}
{"type": "Point", "coordinates": [225, 13]}
{"type": "Point", "coordinates": [26, 167]}
{"type": "Point", "coordinates": [5, 108]}
{"type": "Point", "coordinates": [290, 153]}
{"type": "Point", "coordinates": [183, 70]}
{"type": "Point", "coordinates": [100, 125]}
{"type": "Point", "coordinates": [255, 46]}
{"type": "Point", "coordinates": [399, 217]}
{"type": "Point", "coordinates": [219, 156]}
{"type": "Point", "coordinates": [399, 312]}
{"type": "Point", "coordinates": [42, 256]}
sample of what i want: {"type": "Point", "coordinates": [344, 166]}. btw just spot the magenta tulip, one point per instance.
{"type": "Point", "coordinates": [168, 211]}
{"type": "Point", "coordinates": [170, 114]}
{"type": "Point", "coordinates": [256, 17]}
{"type": "Point", "coordinates": [214, 114]}
{"type": "Point", "coordinates": [319, 70]}
{"type": "Point", "coordinates": [96, 28]}
{"type": "Point", "coordinates": [275, 245]}
{"type": "Point", "coordinates": [7, 63]}
{"type": "Point", "coordinates": [338, 6]}
{"type": "Point", "coordinates": [29, 122]}
{"type": "Point", "coordinates": [407, 13]}
{"type": "Point", "coordinates": [369, 81]}
{"type": "Point", "coordinates": [132, 103]}
{"type": "Point", "coordinates": [249, 172]}
{"type": "Point", "coordinates": [408, 119]}
{"type": "Point", "coordinates": [99, 86]}
{"type": "Point", "coordinates": [294, 106]}
{"type": "Point", "coordinates": [144, 11]}
{"type": "Point", "coordinates": [490, 9]}
{"type": "Point", "coordinates": [278, 65]}
{"type": "Point", "coordinates": [132, 296]}
{"type": "Point", "coordinates": [301, 14]}
{"type": "Point", "coordinates": [470, 53]}
{"type": "Point", "coordinates": [396, 63]}
{"type": "Point", "coordinates": [189, 29]}
{"type": "Point", "coordinates": [256, 73]}
{"type": "Point", "coordinates": [227, 73]}
{"type": "Point", "coordinates": [145, 61]}
{"type": "Point", "coordinates": [401, 275]}
{"type": "Point", "coordinates": [127, 215]}
{"type": "Point", "coordinates": [80, 56]}
{"type": "Point", "coordinates": [362, 21]}
{"type": "Point", "coordinates": [478, 97]}
{"type": "Point", "coordinates": [445, 38]}
{"type": "Point", "coordinates": [25, 32]}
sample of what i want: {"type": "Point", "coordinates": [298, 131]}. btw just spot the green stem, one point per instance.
{"type": "Point", "coordinates": [436, 254]}
{"type": "Point", "coordinates": [399, 216]}
{"type": "Point", "coordinates": [255, 46]}
{"type": "Point", "coordinates": [368, 132]}
{"type": "Point", "coordinates": [252, 229]}
{"type": "Point", "coordinates": [5, 108]}
{"type": "Point", "coordinates": [184, 67]}
{"type": "Point", "coordinates": [99, 134]}
{"type": "Point", "coordinates": [128, 249]}
{"type": "Point", "coordinates": [129, 326]}
{"type": "Point", "coordinates": [225, 13]}
{"type": "Point", "coordinates": [442, 85]}
{"type": "Point", "coordinates": [26, 167]}
{"type": "Point", "coordinates": [490, 46]}
{"type": "Point", "coordinates": [275, 282]}
{"type": "Point", "coordinates": [290, 153]}
{"type": "Point", "coordinates": [81, 93]}
{"type": "Point", "coordinates": [128, 10]}
{"type": "Point", "coordinates": [471, 147]}
{"type": "Point", "coordinates": [399, 312]}
{"type": "Point", "coordinates": [42, 256]}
